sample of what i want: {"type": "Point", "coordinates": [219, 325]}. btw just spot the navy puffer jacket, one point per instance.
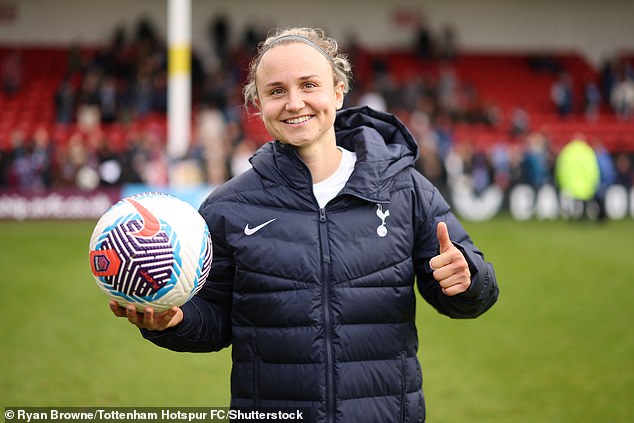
{"type": "Point", "coordinates": [319, 305]}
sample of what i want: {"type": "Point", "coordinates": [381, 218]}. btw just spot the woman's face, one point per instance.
{"type": "Point", "coordinates": [297, 96]}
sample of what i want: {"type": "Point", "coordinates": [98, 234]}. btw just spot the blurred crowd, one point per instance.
{"type": "Point", "coordinates": [126, 82]}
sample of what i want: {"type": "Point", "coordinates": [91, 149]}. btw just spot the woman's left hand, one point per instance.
{"type": "Point", "coordinates": [451, 269]}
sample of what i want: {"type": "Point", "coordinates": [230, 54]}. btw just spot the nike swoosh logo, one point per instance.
{"type": "Point", "coordinates": [151, 224]}
{"type": "Point", "coordinates": [250, 231]}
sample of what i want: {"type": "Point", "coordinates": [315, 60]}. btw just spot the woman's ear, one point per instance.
{"type": "Point", "coordinates": [339, 94]}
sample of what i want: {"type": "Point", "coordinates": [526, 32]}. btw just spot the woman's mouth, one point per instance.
{"type": "Point", "coordinates": [297, 120]}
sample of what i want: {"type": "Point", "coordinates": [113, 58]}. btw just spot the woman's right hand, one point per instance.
{"type": "Point", "coordinates": [148, 319]}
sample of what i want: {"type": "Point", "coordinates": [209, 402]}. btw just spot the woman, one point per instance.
{"type": "Point", "coordinates": [317, 248]}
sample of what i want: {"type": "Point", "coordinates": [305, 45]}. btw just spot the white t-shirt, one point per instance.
{"type": "Point", "coordinates": [327, 189]}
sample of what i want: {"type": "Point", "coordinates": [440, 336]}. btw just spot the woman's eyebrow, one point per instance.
{"type": "Point", "coordinates": [301, 78]}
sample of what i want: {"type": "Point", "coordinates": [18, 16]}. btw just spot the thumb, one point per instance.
{"type": "Point", "coordinates": [442, 233]}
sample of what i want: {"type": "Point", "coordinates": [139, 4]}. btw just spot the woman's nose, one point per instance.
{"type": "Point", "coordinates": [295, 100]}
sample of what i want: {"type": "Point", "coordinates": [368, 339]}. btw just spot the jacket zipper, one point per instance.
{"type": "Point", "coordinates": [326, 310]}
{"type": "Point", "coordinates": [325, 272]}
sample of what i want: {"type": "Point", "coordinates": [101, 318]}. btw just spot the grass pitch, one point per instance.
{"type": "Point", "coordinates": [557, 347]}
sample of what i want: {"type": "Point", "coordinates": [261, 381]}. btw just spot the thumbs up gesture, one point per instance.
{"type": "Point", "coordinates": [451, 269]}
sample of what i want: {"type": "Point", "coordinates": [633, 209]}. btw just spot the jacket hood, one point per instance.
{"type": "Point", "coordinates": [384, 147]}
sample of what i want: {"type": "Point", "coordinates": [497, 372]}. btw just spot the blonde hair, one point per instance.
{"type": "Point", "coordinates": [316, 38]}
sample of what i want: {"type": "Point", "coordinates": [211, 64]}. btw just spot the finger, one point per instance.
{"type": "Point", "coordinates": [443, 273]}
{"type": "Point", "coordinates": [443, 259]}
{"type": "Point", "coordinates": [133, 316]}
{"type": "Point", "coordinates": [451, 280]}
{"type": "Point", "coordinates": [456, 287]}
{"type": "Point", "coordinates": [438, 262]}
{"type": "Point", "coordinates": [148, 317]}
{"type": "Point", "coordinates": [454, 290]}
{"type": "Point", "coordinates": [116, 309]}
{"type": "Point", "coordinates": [442, 233]}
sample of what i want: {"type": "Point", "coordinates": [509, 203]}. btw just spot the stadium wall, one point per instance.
{"type": "Point", "coordinates": [596, 29]}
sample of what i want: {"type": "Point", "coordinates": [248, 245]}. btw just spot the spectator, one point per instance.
{"type": "Point", "coordinates": [88, 112]}
{"type": "Point", "coordinates": [212, 133]}
{"type": "Point", "coordinates": [480, 172]}
{"type": "Point", "coordinates": [447, 88]}
{"type": "Point", "coordinates": [447, 48]}
{"type": "Point", "coordinates": [159, 92]}
{"type": "Point", "coordinates": [72, 158]}
{"type": "Point", "coordinates": [65, 102]}
{"type": "Point", "coordinates": [12, 73]}
{"type": "Point", "coordinates": [535, 169]}
{"type": "Point", "coordinates": [444, 134]}
{"type": "Point", "coordinates": [607, 175]}
{"type": "Point", "coordinates": [32, 161]}
{"type": "Point", "coordinates": [141, 94]}
{"type": "Point", "coordinates": [25, 173]}
{"type": "Point", "coordinates": [592, 96]}
{"type": "Point", "coordinates": [43, 156]}
{"type": "Point", "coordinates": [106, 161]}
{"type": "Point", "coordinates": [624, 170]}
{"type": "Point", "coordinates": [501, 166]}
{"type": "Point", "coordinates": [520, 122]}
{"type": "Point", "coordinates": [155, 169]}
{"type": "Point", "coordinates": [215, 89]}
{"type": "Point", "coordinates": [16, 151]}
{"type": "Point", "coordinates": [608, 78]}
{"type": "Point", "coordinates": [219, 31]}
{"type": "Point", "coordinates": [108, 100]}
{"type": "Point", "coordinates": [562, 95]}
{"type": "Point", "coordinates": [424, 40]}
{"type": "Point", "coordinates": [429, 161]}
{"type": "Point", "coordinates": [622, 97]}
{"type": "Point", "coordinates": [577, 171]}
{"type": "Point", "coordinates": [133, 158]}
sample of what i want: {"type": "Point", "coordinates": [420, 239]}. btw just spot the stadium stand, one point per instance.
{"type": "Point", "coordinates": [506, 80]}
{"type": "Point", "coordinates": [490, 87]}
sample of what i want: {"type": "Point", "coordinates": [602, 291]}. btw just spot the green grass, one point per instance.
{"type": "Point", "coordinates": [61, 345]}
{"type": "Point", "coordinates": [557, 347]}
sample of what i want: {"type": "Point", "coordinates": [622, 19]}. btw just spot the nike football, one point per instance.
{"type": "Point", "coordinates": [151, 249]}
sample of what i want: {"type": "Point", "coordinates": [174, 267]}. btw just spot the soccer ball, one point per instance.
{"type": "Point", "coordinates": [151, 249]}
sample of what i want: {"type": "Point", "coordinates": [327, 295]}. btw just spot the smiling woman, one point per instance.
{"type": "Point", "coordinates": [298, 87]}
{"type": "Point", "coordinates": [319, 248]}
{"type": "Point", "coordinates": [297, 99]}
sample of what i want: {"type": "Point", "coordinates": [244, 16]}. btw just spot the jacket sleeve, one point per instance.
{"type": "Point", "coordinates": [483, 292]}
{"type": "Point", "coordinates": [206, 324]}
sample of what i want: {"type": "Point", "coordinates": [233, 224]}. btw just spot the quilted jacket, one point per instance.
{"type": "Point", "coordinates": [319, 304]}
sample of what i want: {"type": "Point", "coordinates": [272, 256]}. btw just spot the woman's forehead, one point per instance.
{"type": "Point", "coordinates": [293, 56]}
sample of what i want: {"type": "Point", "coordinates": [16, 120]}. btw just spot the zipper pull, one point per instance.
{"type": "Point", "coordinates": [322, 214]}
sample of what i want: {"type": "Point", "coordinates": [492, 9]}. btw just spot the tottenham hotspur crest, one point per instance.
{"type": "Point", "coordinates": [382, 229]}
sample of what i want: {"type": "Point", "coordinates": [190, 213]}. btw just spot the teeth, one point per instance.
{"type": "Point", "coordinates": [298, 119]}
